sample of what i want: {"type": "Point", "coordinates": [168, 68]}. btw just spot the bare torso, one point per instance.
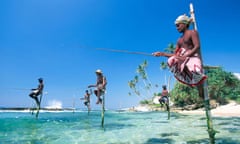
{"type": "Point", "coordinates": [164, 93]}
{"type": "Point", "coordinates": [190, 41]}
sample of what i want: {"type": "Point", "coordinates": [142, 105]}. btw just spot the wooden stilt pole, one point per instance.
{"type": "Point", "coordinates": [89, 104]}
{"type": "Point", "coordinates": [211, 131]}
{"type": "Point", "coordinates": [103, 109]}
{"type": "Point", "coordinates": [168, 104]}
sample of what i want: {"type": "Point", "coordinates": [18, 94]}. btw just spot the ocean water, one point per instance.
{"type": "Point", "coordinates": [119, 128]}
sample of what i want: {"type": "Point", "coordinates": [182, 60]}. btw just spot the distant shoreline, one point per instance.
{"type": "Point", "coordinates": [229, 110]}
{"type": "Point", "coordinates": [27, 109]}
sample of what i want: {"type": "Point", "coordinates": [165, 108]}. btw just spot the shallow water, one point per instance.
{"type": "Point", "coordinates": [119, 128]}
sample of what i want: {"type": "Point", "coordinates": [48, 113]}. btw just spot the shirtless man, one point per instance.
{"type": "Point", "coordinates": [185, 63]}
{"type": "Point", "coordinates": [100, 85]}
{"type": "Point", "coordinates": [164, 96]}
{"type": "Point", "coordinates": [37, 91]}
{"type": "Point", "coordinates": [87, 99]}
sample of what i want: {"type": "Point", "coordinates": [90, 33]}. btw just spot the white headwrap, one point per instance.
{"type": "Point", "coordinates": [183, 19]}
{"type": "Point", "coordinates": [98, 71]}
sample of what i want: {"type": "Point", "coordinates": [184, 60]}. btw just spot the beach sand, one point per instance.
{"type": "Point", "coordinates": [230, 110]}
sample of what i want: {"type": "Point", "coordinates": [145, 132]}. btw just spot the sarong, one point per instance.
{"type": "Point", "coordinates": [189, 71]}
{"type": "Point", "coordinates": [164, 100]}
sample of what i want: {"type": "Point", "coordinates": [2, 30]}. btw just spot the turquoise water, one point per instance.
{"type": "Point", "coordinates": [120, 128]}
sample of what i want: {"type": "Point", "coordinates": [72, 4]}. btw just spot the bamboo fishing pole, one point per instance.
{"type": "Point", "coordinates": [211, 131]}
{"type": "Point", "coordinates": [124, 51]}
{"type": "Point", "coordinates": [21, 89]}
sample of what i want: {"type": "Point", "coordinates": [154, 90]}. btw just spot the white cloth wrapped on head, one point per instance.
{"type": "Point", "coordinates": [183, 19]}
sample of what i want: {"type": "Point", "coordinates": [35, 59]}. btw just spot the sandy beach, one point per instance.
{"type": "Point", "coordinates": [230, 110]}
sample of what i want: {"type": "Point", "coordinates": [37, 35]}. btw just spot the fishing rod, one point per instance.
{"type": "Point", "coordinates": [124, 51]}
{"type": "Point", "coordinates": [21, 88]}
{"type": "Point", "coordinates": [28, 89]}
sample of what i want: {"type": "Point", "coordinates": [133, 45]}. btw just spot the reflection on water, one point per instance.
{"type": "Point", "coordinates": [120, 128]}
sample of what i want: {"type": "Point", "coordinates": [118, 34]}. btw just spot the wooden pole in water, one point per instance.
{"type": "Point", "coordinates": [168, 104]}
{"type": "Point", "coordinates": [89, 105]}
{"type": "Point", "coordinates": [211, 131]}
{"type": "Point", "coordinates": [103, 109]}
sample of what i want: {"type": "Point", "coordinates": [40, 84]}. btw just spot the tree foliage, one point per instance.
{"type": "Point", "coordinates": [183, 95]}
{"type": "Point", "coordinates": [222, 86]}
{"type": "Point", "coordinates": [169, 49]}
{"type": "Point", "coordinates": [141, 84]}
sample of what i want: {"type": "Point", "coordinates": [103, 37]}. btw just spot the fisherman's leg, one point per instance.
{"type": "Point", "coordinates": [167, 105]}
{"type": "Point", "coordinates": [32, 95]}
{"type": "Point", "coordinates": [101, 92]}
{"type": "Point", "coordinates": [195, 64]}
{"type": "Point", "coordinates": [167, 102]}
{"type": "Point", "coordinates": [98, 94]}
{"type": "Point", "coordinates": [174, 64]}
{"type": "Point", "coordinates": [161, 102]}
{"type": "Point", "coordinates": [86, 103]}
{"type": "Point", "coordinates": [37, 101]}
{"type": "Point", "coordinates": [100, 99]}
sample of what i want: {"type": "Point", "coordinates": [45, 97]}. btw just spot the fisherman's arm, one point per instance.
{"type": "Point", "coordinates": [158, 54]}
{"type": "Point", "coordinates": [92, 86]}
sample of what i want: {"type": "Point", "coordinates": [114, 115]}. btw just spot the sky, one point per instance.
{"type": "Point", "coordinates": [57, 40]}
